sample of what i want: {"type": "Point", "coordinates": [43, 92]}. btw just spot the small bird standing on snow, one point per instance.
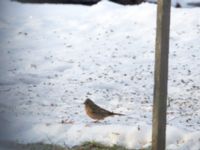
{"type": "Point", "coordinates": [97, 113]}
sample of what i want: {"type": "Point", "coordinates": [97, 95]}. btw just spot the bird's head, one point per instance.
{"type": "Point", "coordinates": [88, 101]}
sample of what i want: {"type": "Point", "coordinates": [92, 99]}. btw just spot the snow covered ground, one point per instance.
{"type": "Point", "coordinates": [55, 56]}
{"type": "Point", "coordinates": [181, 3]}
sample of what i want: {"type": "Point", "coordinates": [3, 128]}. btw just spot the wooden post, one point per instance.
{"type": "Point", "coordinates": [161, 75]}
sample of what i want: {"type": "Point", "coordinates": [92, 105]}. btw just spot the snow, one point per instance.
{"type": "Point", "coordinates": [55, 56]}
{"type": "Point", "coordinates": [182, 3]}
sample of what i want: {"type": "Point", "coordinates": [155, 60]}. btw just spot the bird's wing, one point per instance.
{"type": "Point", "coordinates": [100, 110]}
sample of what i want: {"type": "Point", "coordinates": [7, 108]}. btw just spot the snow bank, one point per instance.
{"type": "Point", "coordinates": [181, 3]}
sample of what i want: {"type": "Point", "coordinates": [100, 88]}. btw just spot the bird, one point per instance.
{"type": "Point", "coordinates": [96, 112]}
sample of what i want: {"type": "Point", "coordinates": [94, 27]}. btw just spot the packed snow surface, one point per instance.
{"type": "Point", "coordinates": [181, 3]}
{"type": "Point", "coordinates": [53, 57]}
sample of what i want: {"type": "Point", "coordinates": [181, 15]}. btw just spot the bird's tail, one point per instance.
{"type": "Point", "coordinates": [118, 114]}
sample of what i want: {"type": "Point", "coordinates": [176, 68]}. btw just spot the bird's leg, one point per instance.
{"type": "Point", "coordinates": [96, 121]}
{"type": "Point", "coordinates": [87, 125]}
